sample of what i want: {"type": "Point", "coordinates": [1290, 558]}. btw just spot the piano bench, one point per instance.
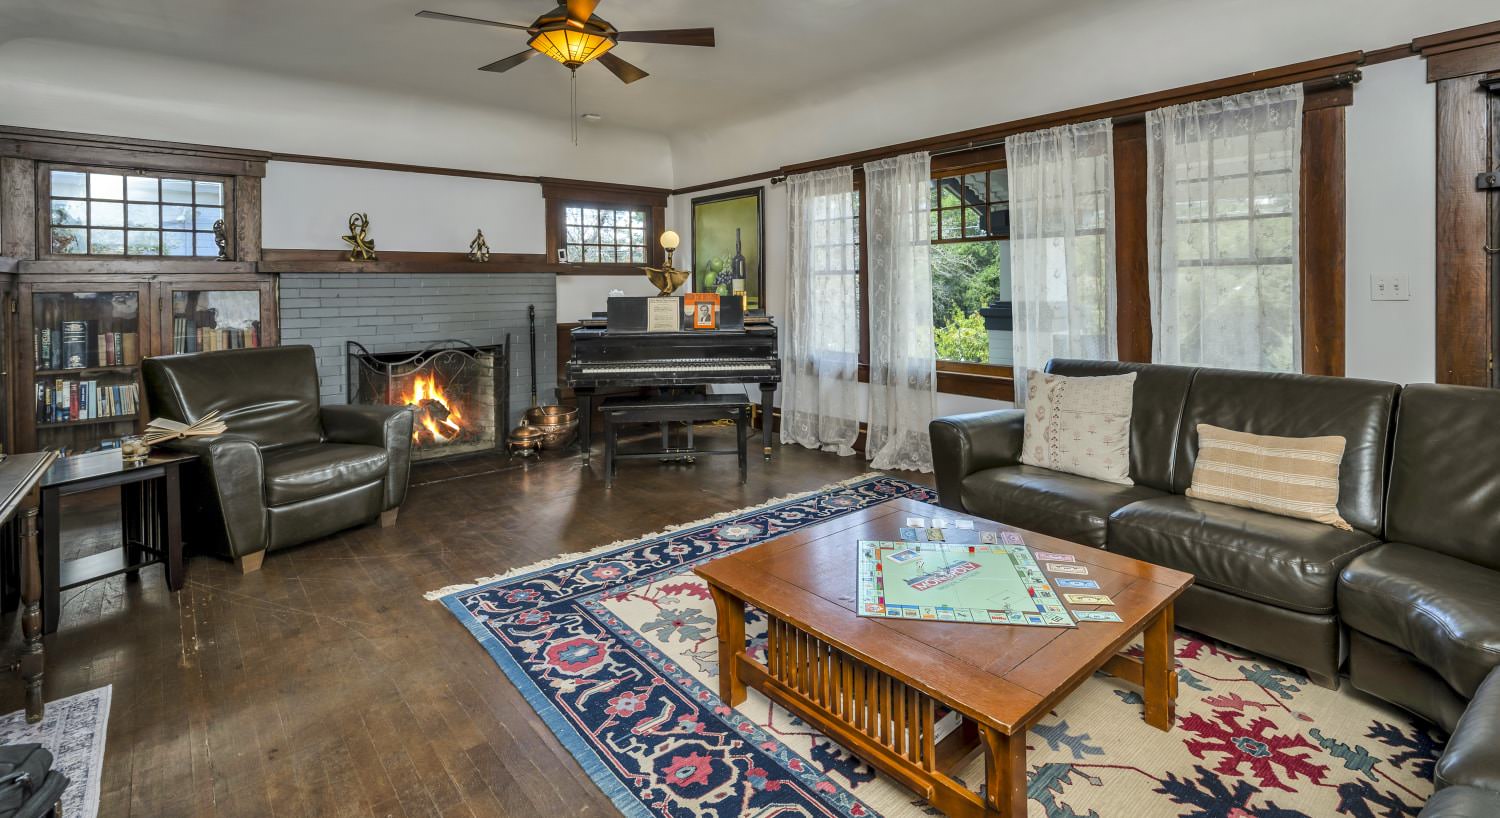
{"type": "Point", "coordinates": [689, 408]}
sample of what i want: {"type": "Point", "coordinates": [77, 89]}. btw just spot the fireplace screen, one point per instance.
{"type": "Point", "coordinates": [459, 392]}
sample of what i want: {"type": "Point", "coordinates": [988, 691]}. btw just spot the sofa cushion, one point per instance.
{"type": "Point", "coordinates": [309, 470]}
{"type": "Point", "coordinates": [1445, 472]}
{"type": "Point", "coordinates": [1443, 610]}
{"type": "Point", "coordinates": [1271, 403]}
{"type": "Point", "coordinates": [1295, 477]}
{"type": "Point", "coordinates": [1472, 757]}
{"type": "Point", "coordinates": [1288, 563]}
{"type": "Point", "coordinates": [1155, 416]}
{"type": "Point", "coordinates": [1049, 502]}
{"type": "Point", "coordinates": [1079, 425]}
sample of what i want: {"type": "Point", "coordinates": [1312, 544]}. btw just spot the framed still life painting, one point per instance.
{"type": "Point", "coordinates": [728, 237]}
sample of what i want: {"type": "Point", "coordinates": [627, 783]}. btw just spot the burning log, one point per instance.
{"type": "Point", "coordinates": [434, 414]}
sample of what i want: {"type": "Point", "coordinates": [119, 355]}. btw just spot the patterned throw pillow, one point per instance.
{"type": "Point", "coordinates": [1290, 476]}
{"type": "Point", "coordinates": [1079, 425]}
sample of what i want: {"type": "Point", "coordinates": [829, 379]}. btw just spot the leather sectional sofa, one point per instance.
{"type": "Point", "coordinates": [1410, 598]}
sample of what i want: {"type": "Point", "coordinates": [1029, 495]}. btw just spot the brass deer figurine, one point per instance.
{"type": "Point", "coordinates": [362, 246]}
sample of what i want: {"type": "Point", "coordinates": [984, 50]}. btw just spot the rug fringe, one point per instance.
{"type": "Point", "coordinates": [433, 596]}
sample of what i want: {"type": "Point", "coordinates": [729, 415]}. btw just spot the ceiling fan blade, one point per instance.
{"type": "Point", "coordinates": [459, 18]}
{"type": "Point", "coordinates": [581, 10]}
{"type": "Point", "coordinates": [672, 36]}
{"type": "Point", "coordinates": [509, 62]}
{"type": "Point", "coordinates": [624, 70]}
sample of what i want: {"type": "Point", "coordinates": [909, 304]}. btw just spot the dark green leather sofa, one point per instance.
{"type": "Point", "coordinates": [289, 470]}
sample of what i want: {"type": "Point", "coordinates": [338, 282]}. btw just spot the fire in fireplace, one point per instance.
{"type": "Point", "coordinates": [458, 391]}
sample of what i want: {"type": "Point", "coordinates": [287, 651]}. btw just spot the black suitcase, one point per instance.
{"type": "Point", "coordinates": [29, 787]}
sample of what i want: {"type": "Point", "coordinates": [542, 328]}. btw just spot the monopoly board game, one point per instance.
{"type": "Point", "coordinates": [998, 584]}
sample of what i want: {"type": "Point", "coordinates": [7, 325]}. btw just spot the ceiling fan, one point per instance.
{"type": "Point", "coordinates": [573, 36]}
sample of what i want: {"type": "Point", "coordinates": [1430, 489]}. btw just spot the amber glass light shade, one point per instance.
{"type": "Point", "coordinates": [570, 46]}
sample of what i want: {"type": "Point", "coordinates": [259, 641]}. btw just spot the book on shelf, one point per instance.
{"type": "Point", "coordinates": [199, 333]}
{"type": "Point", "coordinates": [61, 400]}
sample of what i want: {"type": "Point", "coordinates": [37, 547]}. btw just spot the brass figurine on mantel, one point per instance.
{"type": "Point", "coordinates": [363, 247]}
{"type": "Point", "coordinates": [221, 239]}
{"type": "Point", "coordinates": [479, 249]}
{"type": "Point", "coordinates": [667, 279]}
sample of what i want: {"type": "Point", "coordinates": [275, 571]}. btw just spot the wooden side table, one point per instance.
{"type": "Point", "coordinates": [150, 517]}
{"type": "Point", "coordinates": [20, 479]}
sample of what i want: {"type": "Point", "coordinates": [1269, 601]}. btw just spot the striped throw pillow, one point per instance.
{"type": "Point", "coordinates": [1290, 476]}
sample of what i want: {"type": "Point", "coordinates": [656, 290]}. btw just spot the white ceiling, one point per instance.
{"type": "Point", "coordinates": [769, 51]}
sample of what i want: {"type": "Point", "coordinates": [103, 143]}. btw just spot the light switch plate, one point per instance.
{"type": "Point", "coordinates": [1390, 287]}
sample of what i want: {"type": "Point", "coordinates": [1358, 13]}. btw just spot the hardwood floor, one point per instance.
{"type": "Point", "coordinates": [325, 685]}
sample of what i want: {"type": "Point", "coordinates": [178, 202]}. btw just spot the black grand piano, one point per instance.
{"type": "Point", "coordinates": [603, 359]}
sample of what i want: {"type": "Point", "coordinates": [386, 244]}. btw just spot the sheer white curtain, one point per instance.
{"type": "Point", "coordinates": [1222, 210]}
{"type": "Point", "coordinates": [820, 399]}
{"type": "Point", "coordinates": [903, 366]}
{"type": "Point", "coordinates": [1062, 245]}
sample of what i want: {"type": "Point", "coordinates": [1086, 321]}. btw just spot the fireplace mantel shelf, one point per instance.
{"type": "Point", "coordinates": [336, 261]}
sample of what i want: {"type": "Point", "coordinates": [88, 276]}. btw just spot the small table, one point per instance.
{"type": "Point", "coordinates": [150, 518]}
{"type": "Point", "coordinates": [20, 477]}
{"type": "Point", "coordinates": [875, 685]}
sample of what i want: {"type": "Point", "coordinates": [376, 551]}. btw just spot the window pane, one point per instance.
{"type": "Point", "coordinates": [106, 214]}
{"type": "Point", "coordinates": [141, 189]}
{"type": "Point", "coordinates": [575, 254]}
{"type": "Point", "coordinates": [974, 224]}
{"type": "Point", "coordinates": [638, 255]}
{"type": "Point", "coordinates": [975, 188]}
{"type": "Point", "coordinates": [932, 195]}
{"type": "Point", "coordinates": [1273, 238]}
{"type": "Point", "coordinates": [175, 217]}
{"type": "Point", "coordinates": [177, 244]}
{"type": "Point", "coordinates": [952, 224]}
{"type": "Point", "coordinates": [573, 215]}
{"type": "Point", "coordinates": [606, 255]}
{"type": "Point", "coordinates": [622, 218]}
{"type": "Point", "coordinates": [143, 242]}
{"type": "Point", "coordinates": [66, 211]}
{"type": "Point", "coordinates": [177, 190]}
{"type": "Point", "coordinates": [207, 216]}
{"type": "Point", "coordinates": [1000, 220]}
{"type": "Point", "coordinates": [69, 240]}
{"type": "Point", "coordinates": [210, 193]}
{"type": "Point", "coordinates": [999, 186]}
{"type": "Point", "coordinates": [968, 280]}
{"type": "Point", "coordinates": [590, 216]}
{"type": "Point", "coordinates": [106, 186]}
{"type": "Point", "coordinates": [106, 242]}
{"type": "Point", "coordinates": [590, 235]}
{"type": "Point", "coordinates": [638, 237]}
{"type": "Point", "coordinates": [590, 254]}
{"type": "Point", "coordinates": [606, 218]}
{"type": "Point", "coordinates": [638, 219]}
{"type": "Point", "coordinates": [142, 215]}
{"type": "Point", "coordinates": [206, 245]}
{"type": "Point", "coordinates": [69, 183]}
{"type": "Point", "coordinates": [574, 235]}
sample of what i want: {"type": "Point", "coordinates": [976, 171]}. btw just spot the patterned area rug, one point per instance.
{"type": "Point", "coordinates": [72, 729]}
{"type": "Point", "coordinates": [618, 653]}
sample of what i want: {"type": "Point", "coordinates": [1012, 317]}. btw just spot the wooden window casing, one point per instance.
{"type": "Point", "coordinates": [199, 235]}
{"type": "Point", "coordinates": [562, 195]}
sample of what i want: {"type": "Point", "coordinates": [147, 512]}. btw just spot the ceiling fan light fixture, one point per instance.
{"type": "Point", "coordinates": [570, 46]}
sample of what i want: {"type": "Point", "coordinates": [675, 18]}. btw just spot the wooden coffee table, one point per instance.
{"type": "Point", "coordinates": [875, 685]}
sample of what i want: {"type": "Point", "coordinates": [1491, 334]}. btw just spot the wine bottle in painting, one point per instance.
{"type": "Point", "coordinates": [737, 268]}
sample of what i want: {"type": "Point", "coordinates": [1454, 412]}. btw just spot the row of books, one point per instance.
{"type": "Point", "coordinates": [63, 400]}
{"type": "Point", "coordinates": [80, 345]}
{"type": "Point", "coordinates": [189, 335]}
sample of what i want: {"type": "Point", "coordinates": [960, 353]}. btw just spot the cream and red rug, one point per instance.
{"type": "Point", "coordinates": [616, 650]}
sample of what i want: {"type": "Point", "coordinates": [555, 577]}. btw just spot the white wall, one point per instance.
{"type": "Point", "coordinates": [1391, 144]}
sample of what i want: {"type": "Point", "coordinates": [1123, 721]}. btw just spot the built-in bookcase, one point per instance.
{"type": "Point", "coordinates": [78, 386]}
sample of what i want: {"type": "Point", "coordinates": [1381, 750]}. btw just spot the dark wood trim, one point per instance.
{"type": "Point", "coordinates": [1465, 320]}
{"type": "Point", "coordinates": [17, 207]}
{"type": "Point", "coordinates": [1132, 259]}
{"type": "Point", "coordinates": [1460, 52]}
{"type": "Point", "coordinates": [993, 387]}
{"type": "Point", "coordinates": [247, 215]}
{"type": "Point", "coordinates": [602, 192]}
{"type": "Point", "coordinates": [336, 261]}
{"type": "Point", "coordinates": [1390, 53]}
{"type": "Point", "coordinates": [99, 265]}
{"type": "Point", "coordinates": [737, 180]}
{"type": "Point", "coordinates": [1340, 69]}
{"type": "Point", "coordinates": [401, 167]}
{"type": "Point", "coordinates": [1321, 241]}
{"type": "Point", "coordinates": [128, 153]}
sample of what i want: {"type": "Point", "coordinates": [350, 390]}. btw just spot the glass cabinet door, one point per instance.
{"type": "Point", "coordinates": [210, 320]}
{"type": "Point", "coordinates": [86, 350]}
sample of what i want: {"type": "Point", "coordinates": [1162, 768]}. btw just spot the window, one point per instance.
{"type": "Point", "coordinates": [971, 267]}
{"type": "Point", "coordinates": [102, 212]}
{"type": "Point", "coordinates": [607, 234]}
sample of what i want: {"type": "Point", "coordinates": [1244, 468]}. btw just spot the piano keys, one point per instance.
{"type": "Point", "coordinates": [601, 359]}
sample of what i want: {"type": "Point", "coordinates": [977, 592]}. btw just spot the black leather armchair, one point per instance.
{"type": "Point", "coordinates": [288, 470]}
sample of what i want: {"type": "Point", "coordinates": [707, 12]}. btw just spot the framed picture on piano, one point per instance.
{"type": "Point", "coordinates": [728, 234]}
{"type": "Point", "coordinates": [702, 309]}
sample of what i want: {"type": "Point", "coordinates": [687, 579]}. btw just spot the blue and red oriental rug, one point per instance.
{"type": "Point", "coordinates": [617, 651]}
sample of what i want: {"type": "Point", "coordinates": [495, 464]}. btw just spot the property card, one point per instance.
{"type": "Point", "coordinates": [908, 534]}
{"type": "Point", "coordinates": [989, 538]}
{"type": "Point", "coordinates": [1011, 538]}
{"type": "Point", "coordinates": [1051, 556]}
{"type": "Point", "coordinates": [1097, 616]}
{"type": "Point", "coordinates": [935, 535]}
{"type": "Point", "coordinates": [1088, 599]}
{"type": "Point", "coordinates": [1065, 568]}
{"type": "Point", "coordinates": [939, 522]}
{"type": "Point", "coordinates": [1062, 582]}
{"type": "Point", "coordinates": [916, 522]}
{"type": "Point", "coordinates": [966, 525]}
